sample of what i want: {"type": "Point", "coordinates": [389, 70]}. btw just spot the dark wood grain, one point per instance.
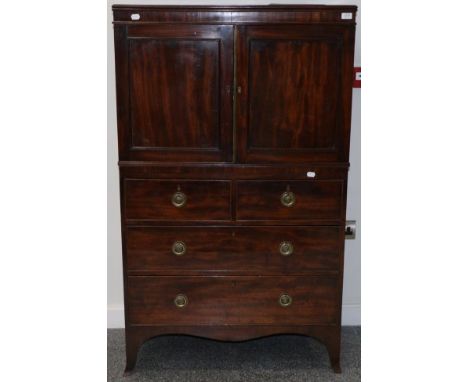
{"type": "Point", "coordinates": [232, 300]}
{"type": "Point", "coordinates": [122, 88]}
{"type": "Point", "coordinates": [249, 250]}
{"type": "Point", "coordinates": [233, 105]}
{"type": "Point", "coordinates": [261, 200]}
{"type": "Point", "coordinates": [178, 102]}
{"type": "Point", "coordinates": [295, 71]}
{"type": "Point", "coordinates": [151, 200]}
{"type": "Point", "coordinates": [309, 13]}
{"type": "Point", "coordinates": [328, 171]}
{"type": "Point", "coordinates": [184, 116]}
{"type": "Point", "coordinates": [303, 96]}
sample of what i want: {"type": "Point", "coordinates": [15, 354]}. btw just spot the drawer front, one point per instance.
{"type": "Point", "coordinates": [289, 200]}
{"type": "Point", "coordinates": [177, 200]}
{"type": "Point", "coordinates": [248, 249]}
{"type": "Point", "coordinates": [232, 300]}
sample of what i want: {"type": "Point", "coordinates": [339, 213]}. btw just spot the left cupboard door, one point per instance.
{"type": "Point", "coordinates": [174, 92]}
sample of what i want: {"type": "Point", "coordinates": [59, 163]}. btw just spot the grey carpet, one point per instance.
{"type": "Point", "coordinates": [278, 358]}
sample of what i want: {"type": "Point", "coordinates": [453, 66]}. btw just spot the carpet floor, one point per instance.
{"type": "Point", "coordinates": [277, 359]}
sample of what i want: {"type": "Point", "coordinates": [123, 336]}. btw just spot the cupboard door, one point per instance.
{"type": "Point", "coordinates": [175, 92]}
{"type": "Point", "coordinates": [294, 92]}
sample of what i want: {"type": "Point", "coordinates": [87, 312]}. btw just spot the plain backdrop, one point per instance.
{"type": "Point", "coordinates": [352, 270]}
{"type": "Point", "coordinates": [53, 162]}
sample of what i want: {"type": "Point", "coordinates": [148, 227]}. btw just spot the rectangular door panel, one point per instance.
{"type": "Point", "coordinates": [292, 81]}
{"type": "Point", "coordinates": [299, 81]}
{"type": "Point", "coordinates": [177, 101]}
{"type": "Point", "coordinates": [178, 81]}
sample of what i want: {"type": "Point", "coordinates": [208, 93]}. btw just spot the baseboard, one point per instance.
{"type": "Point", "coordinates": [351, 315]}
{"type": "Point", "coordinates": [115, 316]}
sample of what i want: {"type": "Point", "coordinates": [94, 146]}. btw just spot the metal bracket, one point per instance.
{"type": "Point", "coordinates": [350, 229]}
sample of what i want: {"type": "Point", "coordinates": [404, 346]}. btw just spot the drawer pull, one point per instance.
{"type": "Point", "coordinates": [179, 199]}
{"type": "Point", "coordinates": [181, 301]}
{"type": "Point", "coordinates": [286, 248]}
{"type": "Point", "coordinates": [288, 199]}
{"type": "Point", "coordinates": [179, 248]}
{"type": "Point", "coordinates": [285, 300]}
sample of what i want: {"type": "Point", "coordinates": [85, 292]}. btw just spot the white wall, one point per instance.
{"type": "Point", "coordinates": [352, 273]}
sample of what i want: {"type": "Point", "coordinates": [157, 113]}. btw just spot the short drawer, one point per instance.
{"type": "Point", "coordinates": [232, 300]}
{"type": "Point", "coordinates": [177, 200]}
{"type": "Point", "coordinates": [277, 250]}
{"type": "Point", "coordinates": [289, 200]}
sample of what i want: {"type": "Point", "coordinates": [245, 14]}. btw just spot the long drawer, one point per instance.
{"type": "Point", "coordinates": [260, 250]}
{"type": "Point", "coordinates": [289, 200]}
{"type": "Point", "coordinates": [239, 300]}
{"type": "Point", "coordinates": [177, 200]}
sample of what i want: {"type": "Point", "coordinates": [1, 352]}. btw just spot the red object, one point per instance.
{"type": "Point", "coordinates": [357, 77]}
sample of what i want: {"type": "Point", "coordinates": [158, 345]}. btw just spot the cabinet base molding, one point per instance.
{"type": "Point", "coordinates": [136, 336]}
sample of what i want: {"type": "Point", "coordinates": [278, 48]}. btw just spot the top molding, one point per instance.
{"type": "Point", "coordinates": [275, 13]}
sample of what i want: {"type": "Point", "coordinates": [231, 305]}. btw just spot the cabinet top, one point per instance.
{"type": "Point", "coordinates": [228, 7]}
{"type": "Point", "coordinates": [234, 14]}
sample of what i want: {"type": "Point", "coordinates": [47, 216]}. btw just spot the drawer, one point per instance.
{"type": "Point", "coordinates": [232, 300]}
{"type": "Point", "coordinates": [224, 249]}
{"type": "Point", "coordinates": [289, 200]}
{"type": "Point", "coordinates": [177, 200]}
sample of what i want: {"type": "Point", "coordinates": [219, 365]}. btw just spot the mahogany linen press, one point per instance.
{"type": "Point", "coordinates": [233, 129]}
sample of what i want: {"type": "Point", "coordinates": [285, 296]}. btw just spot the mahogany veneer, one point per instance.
{"type": "Point", "coordinates": [232, 300]}
{"type": "Point", "coordinates": [227, 250]}
{"type": "Point", "coordinates": [234, 126]}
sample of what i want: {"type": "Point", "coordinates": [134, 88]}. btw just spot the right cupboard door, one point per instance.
{"type": "Point", "coordinates": [294, 85]}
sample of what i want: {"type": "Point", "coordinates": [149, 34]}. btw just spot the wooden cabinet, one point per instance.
{"type": "Point", "coordinates": [234, 127]}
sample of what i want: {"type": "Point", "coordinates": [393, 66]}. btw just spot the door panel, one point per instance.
{"type": "Point", "coordinates": [181, 113]}
{"type": "Point", "coordinates": [290, 96]}
{"type": "Point", "coordinates": [296, 79]}
{"type": "Point", "coordinates": [179, 93]}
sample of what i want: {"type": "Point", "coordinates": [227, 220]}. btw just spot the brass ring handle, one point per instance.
{"type": "Point", "coordinates": [181, 301]}
{"type": "Point", "coordinates": [285, 300]}
{"type": "Point", "coordinates": [288, 199]}
{"type": "Point", "coordinates": [179, 199]}
{"type": "Point", "coordinates": [179, 248]}
{"type": "Point", "coordinates": [286, 248]}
